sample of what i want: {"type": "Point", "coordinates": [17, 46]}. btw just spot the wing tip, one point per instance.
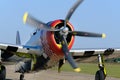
{"type": "Point", "coordinates": [25, 17]}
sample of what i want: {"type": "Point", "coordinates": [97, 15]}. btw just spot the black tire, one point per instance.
{"type": "Point", "coordinates": [3, 73]}
{"type": "Point", "coordinates": [99, 75]}
{"type": "Point", "coordinates": [22, 76]}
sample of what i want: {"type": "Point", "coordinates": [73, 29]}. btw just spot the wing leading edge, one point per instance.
{"type": "Point", "coordinates": [94, 52]}
{"type": "Point", "coordinates": [19, 50]}
{"type": "Point", "coordinates": [28, 50]}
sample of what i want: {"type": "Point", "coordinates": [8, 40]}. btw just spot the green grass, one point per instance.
{"type": "Point", "coordinates": [113, 70]}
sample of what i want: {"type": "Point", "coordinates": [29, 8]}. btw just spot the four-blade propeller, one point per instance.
{"type": "Point", "coordinates": [63, 32]}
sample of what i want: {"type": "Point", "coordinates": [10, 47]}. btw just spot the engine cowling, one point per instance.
{"type": "Point", "coordinates": [53, 37]}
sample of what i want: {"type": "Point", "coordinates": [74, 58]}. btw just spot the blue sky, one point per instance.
{"type": "Point", "coordinates": [102, 16]}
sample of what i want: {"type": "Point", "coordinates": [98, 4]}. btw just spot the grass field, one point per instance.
{"type": "Point", "coordinates": [113, 69]}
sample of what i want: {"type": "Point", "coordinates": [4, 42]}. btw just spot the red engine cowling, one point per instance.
{"type": "Point", "coordinates": [53, 37]}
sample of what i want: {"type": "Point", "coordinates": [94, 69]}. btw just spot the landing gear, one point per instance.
{"type": "Point", "coordinates": [26, 66]}
{"type": "Point", "coordinates": [101, 73]}
{"type": "Point", "coordinates": [22, 76]}
{"type": "Point", "coordinates": [2, 72]}
{"type": "Point", "coordinates": [2, 69]}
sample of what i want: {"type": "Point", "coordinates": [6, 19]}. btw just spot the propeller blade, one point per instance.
{"type": "Point", "coordinates": [72, 10]}
{"type": "Point", "coordinates": [87, 34]}
{"type": "Point", "coordinates": [38, 24]}
{"type": "Point", "coordinates": [68, 55]}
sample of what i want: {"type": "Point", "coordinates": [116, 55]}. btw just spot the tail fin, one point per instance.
{"type": "Point", "coordinates": [18, 41]}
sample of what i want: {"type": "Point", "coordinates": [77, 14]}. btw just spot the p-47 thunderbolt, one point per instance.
{"type": "Point", "coordinates": [50, 45]}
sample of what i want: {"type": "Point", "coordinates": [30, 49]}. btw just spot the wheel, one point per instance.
{"type": "Point", "coordinates": [99, 75]}
{"type": "Point", "coordinates": [22, 76]}
{"type": "Point", "coordinates": [3, 73]}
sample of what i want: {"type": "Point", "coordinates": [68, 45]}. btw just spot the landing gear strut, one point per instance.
{"type": "Point", "coordinates": [2, 69]}
{"type": "Point", "coordinates": [22, 76]}
{"type": "Point", "coordinates": [26, 69]}
{"type": "Point", "coordinates": [101, 73]}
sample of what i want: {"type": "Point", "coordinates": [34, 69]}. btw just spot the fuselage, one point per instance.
{"type": "Point", "coordinates": [46, 44]}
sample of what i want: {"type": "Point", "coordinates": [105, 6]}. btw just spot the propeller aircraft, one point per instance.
{"type": "Point", "coordinates": [50, 45]}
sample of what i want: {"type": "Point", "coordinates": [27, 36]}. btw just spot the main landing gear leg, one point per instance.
{"type": "Point", "coordinates": [33, 62]}
{"type": "Point", "coordinates": [22, 76]}
{"type": "Point", "coordinates": [101, 73]}
{"type": "Point", "coordinates": [2, 69]}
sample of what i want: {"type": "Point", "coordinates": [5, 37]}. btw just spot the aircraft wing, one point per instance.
{"type": "Point", "coordinates": [19, 50]}
{"type": "Point", "coordinates": [94, 52]}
